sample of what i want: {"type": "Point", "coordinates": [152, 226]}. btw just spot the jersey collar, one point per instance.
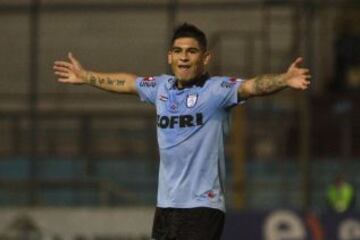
{"type": "Point", "coordinates": [198, 82]}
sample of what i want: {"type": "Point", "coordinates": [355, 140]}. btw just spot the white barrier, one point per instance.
{"type": "Point", "coordinates": [76, 223]}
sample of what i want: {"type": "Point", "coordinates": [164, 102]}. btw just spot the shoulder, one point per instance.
{"type": "Point", "coordinates": [154, 78]}
{"type": "Point", "coordinates": [153, 81]}
{"type": "Point", "coordinates": [224, 81]}
{"type": "Point", "coordinates": [218, 78]}
{"type": "Point", "coordinates": [164, 79]}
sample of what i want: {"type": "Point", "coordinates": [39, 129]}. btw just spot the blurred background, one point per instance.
{"type": "Point", "coordinates": [80, 152]}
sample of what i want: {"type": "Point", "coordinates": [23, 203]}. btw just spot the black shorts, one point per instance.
{"type": "Point", "coordinates": [200, 223]}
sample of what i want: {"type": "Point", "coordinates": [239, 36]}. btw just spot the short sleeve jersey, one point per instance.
{"type": "Point", "coordinates": [191, 126]}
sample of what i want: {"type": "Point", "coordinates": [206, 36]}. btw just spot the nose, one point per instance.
{"type": "Point", "coordinates": [184, 57]}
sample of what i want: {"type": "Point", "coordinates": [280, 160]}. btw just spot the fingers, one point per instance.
{"type": "Point", "coordinates": [61, 69]}
{"type": "Point", "coordinates": [63, 64]}
{"type": "Point", "coordinates": [73, 62]}
{"type": "Point", "coordinates": [66, 70]}
{"type": "Point", "coordinates": [304, 84]}
{"type": "Point", "coordinates": [62, 74]}
{"type": "Point", "coordinates": [63, 80]}
{"type": "Point", "coordinates": [72, 58]}
{"type": "Point", "coordinates": [304, 70]}
{"type": "Point", "coordinates": [297, 62]}
{"type": "Point", "coordinates": [300, 82]}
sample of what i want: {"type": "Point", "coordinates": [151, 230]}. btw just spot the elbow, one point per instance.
{"type": "Point", "coordinates": [247, 90]}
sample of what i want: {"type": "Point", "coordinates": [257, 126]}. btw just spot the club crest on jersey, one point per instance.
{"type": "Point", "coordinates": [191, 100]}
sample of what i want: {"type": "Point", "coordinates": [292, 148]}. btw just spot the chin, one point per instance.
{"type": "Point", "coordinates": [182, 78]}
{"type": "Point", "coordinates": [186, 78]}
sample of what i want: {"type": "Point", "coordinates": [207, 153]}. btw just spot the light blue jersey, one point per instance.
{"type": "Point", "coordinates": [191, 126]}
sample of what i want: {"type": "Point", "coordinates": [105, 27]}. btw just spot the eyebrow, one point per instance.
{"type": "Point", "coordinates": [180, 48]}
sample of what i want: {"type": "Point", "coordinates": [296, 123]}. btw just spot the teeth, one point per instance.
{"type": "Point", "coordinates": [186, 67]}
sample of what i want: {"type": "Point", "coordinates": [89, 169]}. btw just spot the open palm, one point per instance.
{"type": "Point", "coordinates": [69, 71]}
{"type": "Point", "coordinates": [297, 77]}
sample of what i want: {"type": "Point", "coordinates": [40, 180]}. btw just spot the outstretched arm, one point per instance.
{"type": "Point", "coordinates": [295, 77]}
{"type": "Point", "coordinates": [72, 72]}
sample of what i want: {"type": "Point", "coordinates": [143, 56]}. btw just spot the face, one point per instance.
{"type": "Point", "coordinates": [187, 59]}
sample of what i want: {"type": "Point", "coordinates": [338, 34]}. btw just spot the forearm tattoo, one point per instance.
{"type": "Point", "coordinates": [269, 83]}
{"type": "Point", "coordinates": [99, 82]}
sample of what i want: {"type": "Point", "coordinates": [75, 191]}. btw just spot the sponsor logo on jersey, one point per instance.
{"type": "Point", "coordinates": [148, 82]}
{"type": "Point", "coordinates": [211, 194]}
{"type": "Point", "coordinates": [149, 79]}
{"type": "Point", "coordinates": [191, 100]}
{"type": "Point", "coordinates": [229, 82]}
{"type": "Point", "coordinates": [180, 121]}
{"type": "Point", "coordinates": [173, 107]}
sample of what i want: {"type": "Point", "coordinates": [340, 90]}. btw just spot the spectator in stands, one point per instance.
{"type": "Point", "coordinates": [347, 51]}
{"type": "Point", "coordinates": [347, 62]}
{"type": "Point", "coordinates": [340, 195]}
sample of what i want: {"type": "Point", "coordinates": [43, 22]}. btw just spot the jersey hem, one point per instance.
{"type": "Point", "coordinates": [192, 205]}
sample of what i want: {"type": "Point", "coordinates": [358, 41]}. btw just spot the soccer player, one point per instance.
{"type": "Point", "coordinates": [192, 119]}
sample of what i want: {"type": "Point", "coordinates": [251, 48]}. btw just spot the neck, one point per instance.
{"type": "Point", "coordinates": [199, 80]}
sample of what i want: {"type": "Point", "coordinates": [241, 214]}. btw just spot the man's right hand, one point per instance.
{"type": "Point", "coordinates": [70, 71]}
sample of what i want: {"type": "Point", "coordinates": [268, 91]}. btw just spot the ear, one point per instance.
{"type": "Point", "coordinates": [169, 57]}
{"type": "Point", "coordinates": [207, 57]}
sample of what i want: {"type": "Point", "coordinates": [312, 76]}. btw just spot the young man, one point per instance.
{"type": "Point", "coordinates": [192, 117]}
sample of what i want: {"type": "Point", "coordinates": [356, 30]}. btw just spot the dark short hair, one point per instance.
{"type": "Point", "coordinates": [191, 31]}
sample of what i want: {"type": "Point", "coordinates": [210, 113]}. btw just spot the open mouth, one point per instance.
{"type": "Point", "coordinates": [184, 67]}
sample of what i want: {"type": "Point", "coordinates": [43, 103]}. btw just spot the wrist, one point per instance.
{"type": "Point", "coordinates": [285, 79]}
{"type": "Point", "coordinates": [85, 76]}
